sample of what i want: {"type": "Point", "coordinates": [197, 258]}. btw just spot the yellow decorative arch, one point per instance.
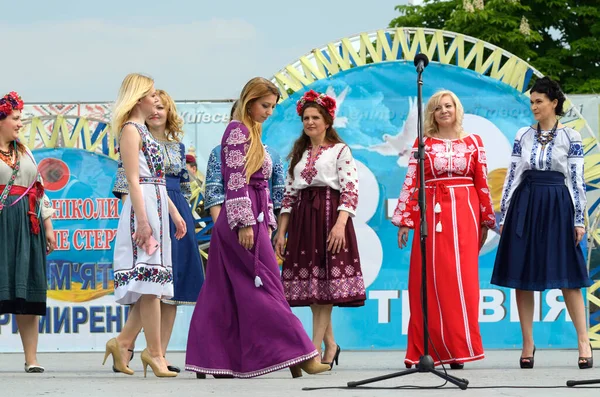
{"type": "Point", "coordinates": [71, 132]}
{"type": "Point", "coordinates": [450, 48]}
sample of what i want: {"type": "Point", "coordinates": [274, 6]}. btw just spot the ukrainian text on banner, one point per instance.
{"type": "Point", "coordinates": [81, 309]}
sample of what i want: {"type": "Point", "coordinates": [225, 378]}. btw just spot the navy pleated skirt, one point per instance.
{"type": "Point", "coordinates": [537, 249]}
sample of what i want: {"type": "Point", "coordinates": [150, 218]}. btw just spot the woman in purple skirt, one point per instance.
{"type": "Point", "coordinates": [321, 267]}
{"type": "Point", "coordinates": [242, 325]}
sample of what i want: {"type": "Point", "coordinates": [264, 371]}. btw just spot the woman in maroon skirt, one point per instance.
{"type": "Point", "coordinates": [321, 267]}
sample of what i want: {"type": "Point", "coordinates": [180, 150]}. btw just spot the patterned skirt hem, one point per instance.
{"type": "Point", "coordinates": [450, 360]}
{"type": "Point", "coordinates": [354, 301]}
{"type": "Point", "coordinates": [541, 286]}
{"type": "Point", "coordinates": [252, 374]}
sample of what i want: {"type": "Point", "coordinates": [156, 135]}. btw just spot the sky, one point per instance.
{"type": "Point", "coordinates": [79, 50]}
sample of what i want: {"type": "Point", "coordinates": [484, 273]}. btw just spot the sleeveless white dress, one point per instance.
{"type": "Point", "coordinates": [135, 272]}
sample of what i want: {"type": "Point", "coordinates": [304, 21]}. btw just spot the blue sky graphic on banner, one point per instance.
{"type": "Point", "coordinates": [377, 118]}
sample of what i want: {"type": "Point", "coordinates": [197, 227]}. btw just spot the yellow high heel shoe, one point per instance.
{"type": "Point", "coordinates": [311, 367]}
{"type": "Point", "coordinates": [147, 360]}
{"type": "Point", "coordinates": [112, 347]}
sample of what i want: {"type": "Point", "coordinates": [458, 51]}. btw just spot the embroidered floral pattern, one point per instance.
{"type": "Point", "coordinates": [236, 137]}
{"type": "Point", "coordinates": [310, 171]}
{"type": "Point", "coordinates": [464, 158]}
{"type": "Point", "coordinates": [239, 212]}
{"type": "Point", "coordinates": [234, 158]}
{"type": "Point", "coordinates": [143, 273]}
{"type": "Point", "coordinates": [237, 180]}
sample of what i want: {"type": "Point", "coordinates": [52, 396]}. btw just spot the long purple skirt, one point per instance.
{"type": "Point", "coordinates": [238, 329]}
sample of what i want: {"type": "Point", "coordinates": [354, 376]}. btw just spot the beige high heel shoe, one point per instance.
{"type": "Point", "coordinates": [147, 360]}
{"type": "Point", "coordinates": [112, 347]}
{"type": "Point", "coordinates": [311, 367]}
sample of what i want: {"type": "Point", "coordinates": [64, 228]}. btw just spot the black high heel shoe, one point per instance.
{"type": "Point", "coordinates": [586, 362]}
{"type": "Point", "coordinates": [116, 370]}
{"type": "Point", "coordinates": [173, 368]}
{"type": "Point", "coordinates": [527, 362]}
{"type": "Point", "coordinates": [457, 365]}
{"type": "Point", "coordinates": [336, 358]}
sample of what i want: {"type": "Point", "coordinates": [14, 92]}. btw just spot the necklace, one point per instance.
{"type": "Point", "coordinates": [545, 138]}
{"type": "Point", "coordinates": [8, 156]}
{"type": "Point", "coordinates": [8, 152]}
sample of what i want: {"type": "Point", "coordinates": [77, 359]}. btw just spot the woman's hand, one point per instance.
{"type": "Point", "coordinates": [579, 232]}
{"type": "Point", "coordinates": [50, 239]}
{"type": "Point", "coordinates": [142, 234]}
{"type": "Point", "coordinates": [403, 237]}
{"type": "Point", "coordinates": [181, 227]}
{"type": "Point", "coordinates": [280, 245]}
{"type": "Point", "coordinates": [337, 238]}
{"type": "Point", "coordinates": [246, 237]}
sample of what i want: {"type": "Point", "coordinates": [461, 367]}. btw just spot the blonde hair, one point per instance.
{"type": "Point", "coordinates": [133, 88]}
{"type": "Point", "coordinates": [174, 127]}
{"type": "Point", "coordinates": [255, 89]}
{"type": "Point", "coordinates": [431, 126]}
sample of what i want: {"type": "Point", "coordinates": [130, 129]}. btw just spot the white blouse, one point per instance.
{"type": "Point", "coordinates": [563, 154]}
{"type": "Point", "coordinates": [28, 172]}
{"type": "Point", "coordinates": [332, 166]}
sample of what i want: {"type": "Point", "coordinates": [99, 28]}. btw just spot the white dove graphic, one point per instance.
{"type": "Point", "coordinates": [338, 122]}
{"type": "Point", "coordinates": [401, 144]}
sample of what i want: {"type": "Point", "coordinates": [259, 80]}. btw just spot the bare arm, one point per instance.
{"type": "Point", "coordinates": [215, 210]}
{"type": "Point", "coordinates": [129, 143]}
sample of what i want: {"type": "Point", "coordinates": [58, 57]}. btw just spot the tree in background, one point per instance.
{"type": "Point", "coordinates": [560, 38]}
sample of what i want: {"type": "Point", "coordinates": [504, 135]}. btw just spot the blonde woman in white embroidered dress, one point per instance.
{"type": "Point", "coordinates": [142, 254]}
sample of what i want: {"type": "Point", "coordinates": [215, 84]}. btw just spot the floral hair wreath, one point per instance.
{"type": "Point", "coordinates": [319, 98]}
{"type": "Point", "coordinates": [10, 102]}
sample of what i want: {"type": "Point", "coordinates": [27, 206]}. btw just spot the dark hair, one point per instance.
{"type": "Point", "coordinates": [192, 163]}
{"type": "Point", "coordinates": [552, 90]}
{"type": "Point", "coordinates": [301, 144]}
{"type": "Point", "coordinates": [233, 107]}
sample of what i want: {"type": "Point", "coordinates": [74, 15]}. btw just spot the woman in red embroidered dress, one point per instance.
{"type": "Point", "coordinates": [321, 265]}
{"type": "Point", "coordinates": [458, 204]}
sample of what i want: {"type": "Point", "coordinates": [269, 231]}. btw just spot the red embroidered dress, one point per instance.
{"type": "Point", "coordinates": [458, 205]}
{"type": "Point", "coordinates": [323, 185]}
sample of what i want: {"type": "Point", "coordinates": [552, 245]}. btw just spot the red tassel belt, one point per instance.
{"type": "Point", "coordinates": [33, 194]}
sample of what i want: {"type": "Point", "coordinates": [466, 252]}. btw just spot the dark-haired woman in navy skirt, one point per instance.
{"type": "Point", "coordinates": [543, 217]}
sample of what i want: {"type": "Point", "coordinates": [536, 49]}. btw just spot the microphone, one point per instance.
{"type": "Point", "coordinates": [421, 62]}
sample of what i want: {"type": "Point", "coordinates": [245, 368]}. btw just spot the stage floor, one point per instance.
{"type": "Point", "coordinates": [82, 375]}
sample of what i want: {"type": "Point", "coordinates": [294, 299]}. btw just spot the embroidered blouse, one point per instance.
{"type": "Point", "coordinates": [28, 173]}
{"type": "Point", "coordinates": [238, 205]}
{"type": "Point", "coordinates": [447, 158]}
{"type": "Point", "coordinates": [173, 154]}
{"type": "Point", "coordinates": [214, 193]}
{"type": "Point", "coordinates": [332, 166]}
{"type": "Point", "coordinates": [563, 154]}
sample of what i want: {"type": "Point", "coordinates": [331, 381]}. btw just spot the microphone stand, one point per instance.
{"type": "Point", "coordinates": [426, 362]}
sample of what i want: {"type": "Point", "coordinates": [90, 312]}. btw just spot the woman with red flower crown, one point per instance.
{"type": "Point", "coordinates": [24, 243]}
{"type": "Point", "coordinates": [321, 267]}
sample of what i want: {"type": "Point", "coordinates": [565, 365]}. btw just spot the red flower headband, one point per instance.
{"type": "Point", "coordinates": [320, 99]}
{"type": "Point", "coordinates": [10, 102]}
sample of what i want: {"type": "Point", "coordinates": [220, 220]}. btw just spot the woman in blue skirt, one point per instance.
{"type": "Point", "coordinates": [166, 128]}
{"type": "Point", "coordinates": [543, 211]}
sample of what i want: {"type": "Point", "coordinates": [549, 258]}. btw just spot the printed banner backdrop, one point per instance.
{"type": "Point", "coordinates": [81, 308]}
{"type": "Point", "coordinates": [376, 116]}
